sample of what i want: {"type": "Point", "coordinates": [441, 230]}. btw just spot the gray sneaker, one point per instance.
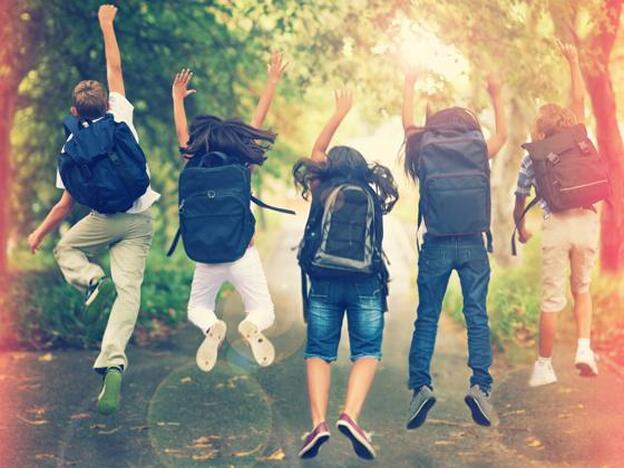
{"type": "Point", "coordinates": [482, 410]}
{"type": "Point", "coordinates": [421, 403]}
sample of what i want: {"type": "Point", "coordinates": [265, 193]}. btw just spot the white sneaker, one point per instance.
{"type": "Point", "coordinates": [261, 348]}
{"type": "Point", "coordinates": [586, 363]}
{"type": "Point", "coordinates": [207, 352]}
{"type": "Point", "coordinates": [543, 374]}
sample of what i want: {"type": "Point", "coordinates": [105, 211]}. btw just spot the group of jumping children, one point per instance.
{"type": "Point", "coordinates": [341, 257]}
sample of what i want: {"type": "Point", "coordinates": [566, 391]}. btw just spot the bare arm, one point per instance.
{"type": "Point", "coordinates": [106, 16]}
{"type": "Point", "coordinates": [344, 100]}
{"type": "Point", "coordinates": [577, 90]}
{"type": "Point", "coordinates": [274, 73]}
{"type": "Point", "coordinates": [407, 114]}
{"type": "Point", "coordinates": [523, 233]}
{"type": "Point", "coordinates": [496, 141]}
{"type": "Point", "coordinates": [179, 92]}
{"type": "Point", "coordinates": [57, 214]}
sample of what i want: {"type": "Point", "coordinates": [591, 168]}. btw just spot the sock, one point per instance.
{"type": "Point", "coordinates": [544, 360]}
{"type": "Point", "coordinates": [583, 344]}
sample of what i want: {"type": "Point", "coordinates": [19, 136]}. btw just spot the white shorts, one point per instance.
{"type": "Point", "coordinates": [246, 275]}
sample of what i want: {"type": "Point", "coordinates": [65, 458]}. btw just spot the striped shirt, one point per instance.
{"type": "Point", "coordinates": [527, 181]}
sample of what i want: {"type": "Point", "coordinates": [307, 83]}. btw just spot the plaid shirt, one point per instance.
{"type": "Point", "coordinates": [526, 181]}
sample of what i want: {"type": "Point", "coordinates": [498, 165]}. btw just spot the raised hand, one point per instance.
{"type": "Point", "coordinates": [569, 51]}
{"type": "Point", "coordinates": [106, 14]}
{"type": "Point", "coordinates": [493, 84]}
{"type": "Point", "coordinates": [344, 101]}
{"type": "Point", "coordinates": [179, 88]}
{"type": "Point", "coordinates": [277, 66]}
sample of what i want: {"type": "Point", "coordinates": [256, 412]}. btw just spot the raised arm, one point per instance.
{"type": "Point", "coordinates": [179, 92]}
{"type": "Point", "coordinates": [57, 214]}
{"type": "Point", "coordinates": [344, 100]}
{"type": "Point", "coordinates": [274, 73]}
{"type": "Point", "coordinates": [106, 16]}
{"type": "Point", "coordinates": [577, 90]}
{"type": "Point", "coordinates": [408, 99]}
{"type": "Point", "coordinates": [496, 141]}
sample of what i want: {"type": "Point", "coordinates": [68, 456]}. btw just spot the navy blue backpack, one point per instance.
{"type": "Point", "coordinates": [102, 166]}
{"type": "Point", "coordinates": [454, 177]}
{"type": "Point", "coordinates": [216, 221]}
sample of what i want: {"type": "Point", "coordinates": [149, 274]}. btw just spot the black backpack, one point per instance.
{"type": "Point", "coordinates": [343, 234]}
{"type": "Point", "coordinates": [102, 166]}
{"type": "Point", "coordinates": [454, 178]}
{"type": "Point", "coordinates": [216, 221]}
{"type": "Point", "coordinates": [569, 172]}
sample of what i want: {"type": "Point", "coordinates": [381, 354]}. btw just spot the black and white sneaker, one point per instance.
{"type": "Point", "coordinates": [98, 296]}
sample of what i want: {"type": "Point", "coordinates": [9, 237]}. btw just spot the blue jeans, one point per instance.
{"type": "Point", "coordinates": [363, 302]}
{"type": "Point", "coordinates": [438, 258]}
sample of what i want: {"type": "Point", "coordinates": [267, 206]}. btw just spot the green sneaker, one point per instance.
{"type": "Point", "coordinates": [99, 295]}
{"type": "Point", "coordinates": [108, 400]}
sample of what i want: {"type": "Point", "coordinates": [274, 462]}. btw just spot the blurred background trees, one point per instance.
{"type": "Point", "coordinates": [49, 45]}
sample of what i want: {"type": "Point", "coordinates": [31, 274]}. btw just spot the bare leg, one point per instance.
{"type": "Point", "coordinates": [319, 379]}
{"type": "Point", "coordinates": [548, 330]}
{"type": "Point", "coordinates": [360, 381]}
{"type": "Point", "coordinates": [583, 314]}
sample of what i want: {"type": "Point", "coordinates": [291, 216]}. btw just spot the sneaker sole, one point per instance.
{"type": "Point", "coordinates": [478, 414]}
{"type": "Point", "coordinates": [100, 298]}
{"type": "Point", "coordinates": [312, 449]}
{"type": "Point", "coordinates": [261, 348]}
{"type": "Point", "coordinates": [421, 414]}
{"type": "Point", "coordinates": [208, 351]}
{"type": "Point", "coordinates": [362, 448]}
{"type": "Point", "coordinates": [541, 384]}
{"type": "Point", "coordinates": [585, 370]}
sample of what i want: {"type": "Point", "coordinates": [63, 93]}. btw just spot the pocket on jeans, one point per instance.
{"type": "Point", "coordinates": [368, 289]}
{"type": "Point", "coordinates": [319, 289]}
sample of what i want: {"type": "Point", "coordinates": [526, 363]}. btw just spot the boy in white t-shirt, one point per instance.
{"type": "Point", "coordinates": [127, 235]}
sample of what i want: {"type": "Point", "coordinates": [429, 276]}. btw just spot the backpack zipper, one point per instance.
{"type": "Point", "coordinates": [576, 187]}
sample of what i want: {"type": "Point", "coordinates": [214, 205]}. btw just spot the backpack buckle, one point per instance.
{"type": "Point", "coordinates": [553, 158]}
{"type": "Point", "coordinates": [584, 146]}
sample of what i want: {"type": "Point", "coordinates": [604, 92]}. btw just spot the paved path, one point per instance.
{"type": "Point", "coordinates": [174, 415]}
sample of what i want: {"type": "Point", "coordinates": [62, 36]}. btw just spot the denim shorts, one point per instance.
{"type": "Point", "coordinates": [362, 301]}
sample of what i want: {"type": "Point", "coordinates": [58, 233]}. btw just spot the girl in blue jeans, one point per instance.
{"type": "Point", "coordinates": [440, 255]}
{"type": "Point", "coordinates": [361, 296]}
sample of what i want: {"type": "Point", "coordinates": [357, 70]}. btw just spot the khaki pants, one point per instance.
{"type": "Point", "coordinates": [128, 237]}
{"type": "Point", "coordinates": [569, 240]}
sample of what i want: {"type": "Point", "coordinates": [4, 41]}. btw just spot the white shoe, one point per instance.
{"type": "Point", "coordinates": [261, 348]}
{"type": "Point", "coordinates": [208, 351]}
{"type": "Point", "coordinates": [586, 363]}
{"type": "Point", "coordinates": [543, 374]}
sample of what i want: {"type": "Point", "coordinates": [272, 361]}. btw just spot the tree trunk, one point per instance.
{"type": "Point", "coordinates": [7, 109]}
{"type": "Point", "coordinates": [611, 148]}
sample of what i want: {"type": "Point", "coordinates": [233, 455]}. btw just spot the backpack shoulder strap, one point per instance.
{"type": "Point", "coordinates": [514, 250]}
{"type": "Point", "coordinates": [262, 204]}
{"type": "Point", "coordinates": [174, 243]}
{"type": "Point", "coordinates": [71, 125]}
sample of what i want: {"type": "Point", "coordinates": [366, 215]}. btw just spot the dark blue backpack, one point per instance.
{"type": "Point", "coordinates": [102, 166]}
{"type": "Point", "coordinates": [216, 221]}
{"type": "Point", "coordinates": [454, 177]}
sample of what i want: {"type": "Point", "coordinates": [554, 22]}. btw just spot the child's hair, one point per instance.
{"type": "Point", "coordinates": [452, 118]}
{"type": "Point", "coordinates": [552, 118]}
{"type": "Point", "coordinates": [90, 99]}
{"type": "Point", "coordinates": [232, 137]}
{"type": "Point", "coordinates": [346, 162]}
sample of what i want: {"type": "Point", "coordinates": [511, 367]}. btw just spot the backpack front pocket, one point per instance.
{"type": "Point", "coordinates": [457, 204]}
{"type": "Point", "coordinates": [577, 183]}
{"type": "Point", "coordinates": [216, 226]}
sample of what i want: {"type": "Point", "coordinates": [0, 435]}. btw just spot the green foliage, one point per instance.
{"type": "Point", "coordinates": [47, 312]}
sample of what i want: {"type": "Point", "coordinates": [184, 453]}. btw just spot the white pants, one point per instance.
{"type": "Point", "coordinates": [246, 275]}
